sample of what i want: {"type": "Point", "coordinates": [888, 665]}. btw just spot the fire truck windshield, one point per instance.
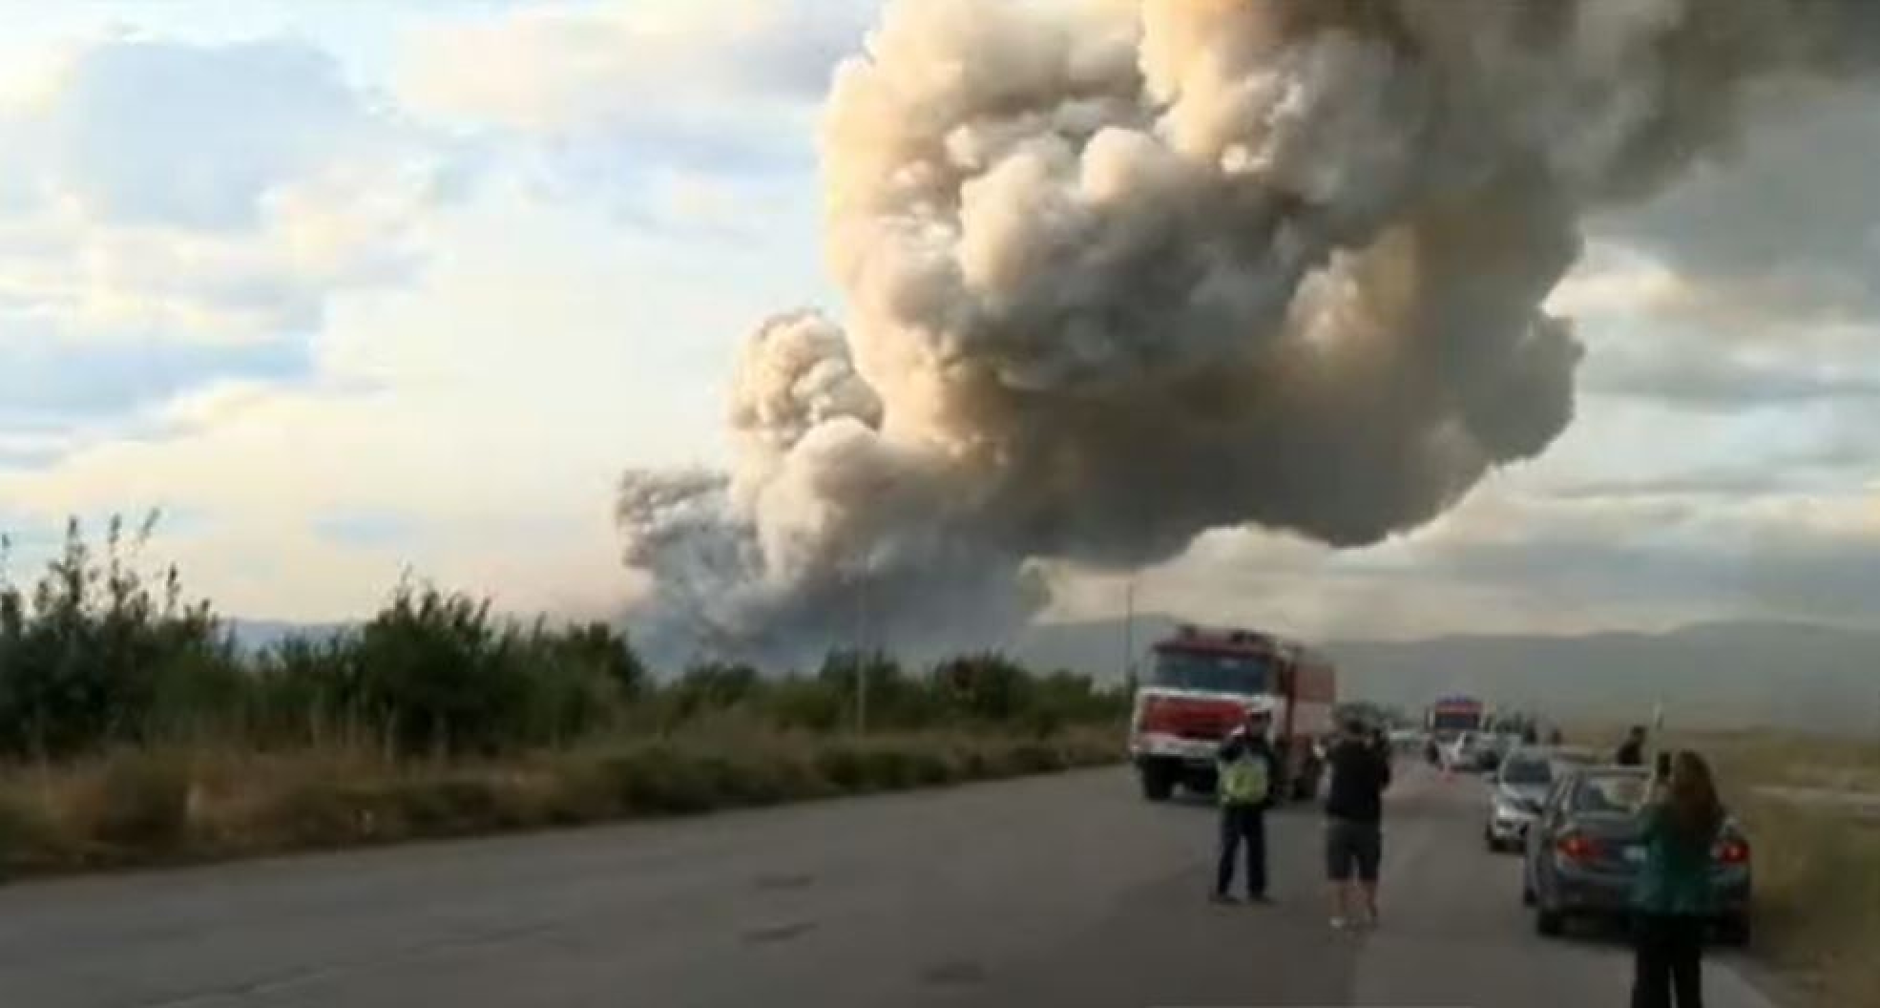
{"type": "Point", "coordinates": [1220, 673]}
{"type": "Point", "coordinates": [1457, 719]}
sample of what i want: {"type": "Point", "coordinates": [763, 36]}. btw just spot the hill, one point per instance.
{"type": "Point", "coordinates": [1788, 675]}
{"type": "Point", "coordinates": [251, 636]}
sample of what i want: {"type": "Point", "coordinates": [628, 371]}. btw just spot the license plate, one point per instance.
{"type": "Point", "coordinates": [1635, 855]}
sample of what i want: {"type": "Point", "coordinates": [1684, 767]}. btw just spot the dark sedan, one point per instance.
{"type": "Point", "coordinates": [1585, 851]}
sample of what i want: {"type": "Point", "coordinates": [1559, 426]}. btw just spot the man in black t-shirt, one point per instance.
{"type": "Point", "coordinates": [1354, 813]}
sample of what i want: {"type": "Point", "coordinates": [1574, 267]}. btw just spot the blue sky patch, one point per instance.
{"type": "Point", "coordinates": [367, 529]}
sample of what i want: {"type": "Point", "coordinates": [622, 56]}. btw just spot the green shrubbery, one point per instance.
{"type": "Point", "coordinates": [136, 732]}
{"type": "Point", "coordinates": [94, 653]}
{"type": "Point", "coordinates": [94, 656]}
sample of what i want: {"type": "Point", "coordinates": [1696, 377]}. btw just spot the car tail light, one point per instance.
{"type": "Point", "coordinates": [1732, 852]}
{"type": "Point", "coordinates": [1576, 847]}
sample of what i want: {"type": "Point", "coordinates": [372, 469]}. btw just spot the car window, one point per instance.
{"type": "Point", "coordinates": [1609, 794]}
{"type": "Point", "coordinates": [1570, 757]}
{"type": "Point", "coordinates": [1526, 771]}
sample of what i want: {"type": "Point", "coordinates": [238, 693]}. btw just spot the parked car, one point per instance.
{"type": "Point", "coordinates": [1518, 789]}
{"type": "Point", "coordinates": [1585, 851]}
{"type": "Point", "coordinates": [1491, 748]}
{"type": "Point", "coordinates": [1408, 740]}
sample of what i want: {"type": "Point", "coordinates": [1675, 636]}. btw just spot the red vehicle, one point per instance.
{"type": "Point", "coordinates": [1449, 719]}
{"type": "Point", "coordinates": [1200, 686]}
{"type": "Point", "coordinates": [1453, 715]}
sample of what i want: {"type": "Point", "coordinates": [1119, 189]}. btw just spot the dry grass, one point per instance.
{"type": "Point", "coordinates": [1817, 869]}
{"type": "Point", "coordinates": [144, 806]}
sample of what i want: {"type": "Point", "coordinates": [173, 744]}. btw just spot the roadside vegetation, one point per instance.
{"type": "Point", "coordinates": [133, 730]}
{"type": "Point", "coordinates": [1817, 865]}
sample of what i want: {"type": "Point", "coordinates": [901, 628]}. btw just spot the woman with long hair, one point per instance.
{"type": "Point", "coordinates": [1673, 899]}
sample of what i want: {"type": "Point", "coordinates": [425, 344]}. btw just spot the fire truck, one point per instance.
{"type": "Point", "coordinates": [1452, 715]}
{"type": "Point", "coordinates": [1450, 721]}
{"type": "Point", "coordinates": [1200, 685]}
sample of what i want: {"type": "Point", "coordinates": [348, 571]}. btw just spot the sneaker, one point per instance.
{"type": "Point", "coordinates": [1260, 898]}
{"type": "Point", "coordinates": [1225, 899]}
{"type": "Point", "coordinates": [1338, 923]}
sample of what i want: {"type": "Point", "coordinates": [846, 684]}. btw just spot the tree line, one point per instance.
{"type": "Point", "coordinates": [97, 652]}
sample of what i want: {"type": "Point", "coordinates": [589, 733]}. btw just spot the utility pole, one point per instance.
{"type": "Point", "coordinates": [1129, 632]}
{"type": "Point", "coordinates": [863, 657]}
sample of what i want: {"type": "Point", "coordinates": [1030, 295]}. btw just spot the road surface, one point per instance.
{"type": "Point", "coordinates": [1050, 891]}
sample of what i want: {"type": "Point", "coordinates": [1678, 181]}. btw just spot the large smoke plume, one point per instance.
{"type": "Point", "coordinates": [1122, 271]}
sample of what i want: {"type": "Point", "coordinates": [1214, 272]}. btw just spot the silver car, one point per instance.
{"type": "Point", "coordinates": [1519, 788]}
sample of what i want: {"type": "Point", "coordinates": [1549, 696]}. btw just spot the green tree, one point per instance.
{"type": "Point", "coordinates": [96, 653]}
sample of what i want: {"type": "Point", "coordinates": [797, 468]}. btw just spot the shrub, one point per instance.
{"type": "Point", "coordinates": [141, 803]}
{"type": "Point", "coordinates": [804, 704]}
{"type": "Point", "coordinates": [605, 651]}
{"type": "Point", "coordinates": [320, 812]}
{"type": "Point", "coordinates": [661, 779]}
{"type": "Point", "coordinates": [28, 835]}
{"type": "Point", "coordinates": [844, 765]}
{"type": "Point", "coordinates": [439, 673]}
{"type": "Point", "coordinates": [930, 765]}
{"type": "Point", "coordinates": [433, 806]}
{"type": "Point", "coordinates": [81, 656]}
{"type": "Point", "coordinates": [711, 686]}
{"type": "Point", "coordinates": [1035, 756]}
{"type": "Point", "coordinates": [984, 687]}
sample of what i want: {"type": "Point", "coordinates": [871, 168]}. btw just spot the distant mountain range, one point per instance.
{"type": "Point", "coordinates": [1790, 675]}
{"type": "Point", "coordinates": [257, 635]}
{"type": "Point", "coordinates": [1787, 675]}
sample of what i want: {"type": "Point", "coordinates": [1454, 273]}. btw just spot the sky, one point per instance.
{"type": "Point", "coordinates": [355, 289]}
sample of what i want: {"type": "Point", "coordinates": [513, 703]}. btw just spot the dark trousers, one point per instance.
{"type": "Point", "coordinates": [1669, 953]}
{"type": "Point", "coordinates": [1242, 824]}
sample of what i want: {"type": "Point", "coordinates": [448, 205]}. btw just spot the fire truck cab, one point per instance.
{"type": "Point", "coordinates": [1199, 686]}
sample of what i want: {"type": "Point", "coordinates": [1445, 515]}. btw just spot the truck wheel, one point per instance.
{"type": "Point", "coordinates": [1734, 931]}
{"type": "Point", "coordinates": [1157, 782]}
{"type": "Point", "coordinates": [1548, 923]}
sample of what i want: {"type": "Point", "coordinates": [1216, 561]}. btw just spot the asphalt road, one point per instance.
{"type": "Point", "coordinates": [1066, 890]}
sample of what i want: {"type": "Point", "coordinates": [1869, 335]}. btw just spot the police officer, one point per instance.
{"type": "Point", "coordinates": [1247, 772]}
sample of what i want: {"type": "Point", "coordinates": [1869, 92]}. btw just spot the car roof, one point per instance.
{"type": "Point", "coordinates": [1558, 753]}
{"type": "Point", "coordinates": [1604, 770]}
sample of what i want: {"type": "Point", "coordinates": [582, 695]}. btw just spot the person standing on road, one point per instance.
{"type": "Point", "coordinates": [1632, 751]}
{"type": "Point", "coordinates": [1354, 836]}
{"type": "Point", "coordinates": [1247, 773]}
{"type": "Point", "coordinates": [1672, 896]}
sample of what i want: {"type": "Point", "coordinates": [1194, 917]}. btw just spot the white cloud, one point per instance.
{"type": "Point", "coordinates": [1510, 562]}
{"type": "Point", "coordinates": [675, 116]}
{"type": "Point", "coordinates": [491, 404]}
{"type": "Point", "coordinates": [568, 69]}
{"type": "Point", "coordinates": [218, 193]}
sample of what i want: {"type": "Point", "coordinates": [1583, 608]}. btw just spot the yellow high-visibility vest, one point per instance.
{"type": "Point", "coordinates": [1243, 779]}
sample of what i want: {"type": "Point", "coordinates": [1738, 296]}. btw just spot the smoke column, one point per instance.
{"type": "Point", "coordinates": [1123, 271]}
